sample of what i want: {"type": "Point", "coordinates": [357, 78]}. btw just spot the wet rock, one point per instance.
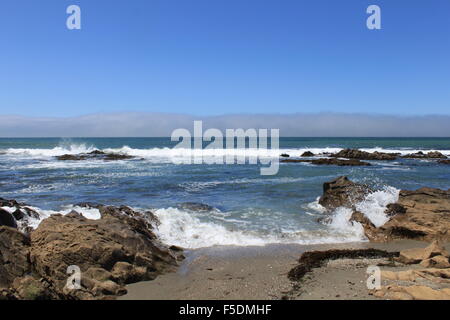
{"type": "Point", "coordinates": [94, 155]}
{"type": "Point", "coordinates": [328, 161]}
{"type": "Point", "coordinates": [363, 155]}
{"type": "Point", "coordinates": [284, 155]}
{"type": "Point", "coordinates": [342, 192]}
{"type": "Point", "coordinates": [393, 209]}
{"type": "Point", "coordinates": [429, 155]}
{"type": "Point", "coordinates": [444, 161]}
{"type": "Point", "coordinates": [195, 206]}
{"type": "Point", "coordinates": [7, 219]}
{"type": "Point", "coordinates": [308, 154]}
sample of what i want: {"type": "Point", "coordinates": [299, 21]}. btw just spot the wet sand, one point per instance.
{"type": "Point", "coordinates": [241, 273]}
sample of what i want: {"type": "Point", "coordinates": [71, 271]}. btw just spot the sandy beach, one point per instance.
{"type": "Point", "coordinates": [261, 273]}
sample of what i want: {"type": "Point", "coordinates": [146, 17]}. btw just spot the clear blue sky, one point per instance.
{"type": "Point", "coordinates": [209, 57]}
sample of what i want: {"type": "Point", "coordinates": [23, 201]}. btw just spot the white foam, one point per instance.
{"type": "Point", "coordinates": [373, 207]}
{"type": "Point", "coordinates": [169, 154]}
{"type": "Point", "coordinates": [186, 230]}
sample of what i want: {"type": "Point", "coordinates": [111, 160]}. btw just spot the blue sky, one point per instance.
{"type": "Point", "coordinates": [212, 57]}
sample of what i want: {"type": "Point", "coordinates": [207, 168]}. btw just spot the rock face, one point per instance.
{"type": "Point", "coordinates": [118, 249]}
{"type": "Point", "coordinates": [342, 192]}
{"type": "Point", "coordinates": [94, 155]}
{"type": "Point", "coordinates": [329, 162]}
{"type": "Point", "coordinates": [16, 215]}
{"type": "Point", "coordinates": [362, 155]}
{"type": "Point", "coordinates": [424, 215]}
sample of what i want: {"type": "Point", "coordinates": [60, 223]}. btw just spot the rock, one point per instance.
{"type": "Point", "coordinates": [29, 288]}
{"type": "Point", "coordinates": [393, 209]}
{"type": "Point", "coordinates": [426, 216]}
{"type": "Point", "coordinates": [444, 161]}
{"type": "Point", "coordinates": [342, 192]}
{"type": "Point", "coordinates": [308, 154]}
{"type": "Point", "coordinates": [94, 155]}
{"type": "Point", "coordinates": [327, 161]}
{"type": "Point", "coordinates": [363, 155]}
{"type": "Point", "coordinates": [429, 155]}
{"type": "Point", "coordinates": [315, 259]}
{"type": "Point", "coordinates": [436, 262]}
{"type": "Point", "coordinates": [414, 292]}
{"type": "Point", "coordinates": [195, 206]}
{"type": "Point", "coordinates": [417, 255]}
{"type": "Point", "coordinates": [14, 255]}
{"type": "Point", "coordinates": [284, 155]}
{"type": "Point", "coordinates": [7, 219]}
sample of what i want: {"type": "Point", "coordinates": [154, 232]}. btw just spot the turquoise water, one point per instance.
{"type": "Point", "coordinates": [250, 208]}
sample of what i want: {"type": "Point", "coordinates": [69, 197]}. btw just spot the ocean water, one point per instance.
{"type": "Point", "coordinates": [250, 209]}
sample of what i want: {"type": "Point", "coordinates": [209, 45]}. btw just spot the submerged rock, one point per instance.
{"type": "Point", "coordinates": [195, 206]}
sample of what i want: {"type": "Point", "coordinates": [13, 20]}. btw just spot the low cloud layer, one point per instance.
{"type": "Point", "coordinates": [293, 125]}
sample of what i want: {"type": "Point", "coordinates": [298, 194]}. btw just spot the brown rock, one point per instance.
{"type": "Point", "coordinates": [440, 262]}
{"type": "Point", "coordinates": [417, 255]}
{"type": "Point", "coordinates": [342, 192]}
{"type": "Point", "coordinates": [426, 216]}
{"type": "Point", "coordinates": [119, 248]}
{"type": "Point", "coordinates": [14, 255]}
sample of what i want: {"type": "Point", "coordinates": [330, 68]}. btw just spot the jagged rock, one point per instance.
{"type": "Point", "coordinates": [429, 155]}
{"type": "Point", "coordinates": [7, 219]}
{"type": "Point", "coordinates": [94, 155]}
{"type": "Point", "coordinates": [327, 161]}
{"type": "Point", "coordinates": [14, 255]}
{"type": "Point", "coordinates": [393, 209]}
{"type": "Point", "coordinates": [121, 243]}
{"type": "Point", "coordinates": [426, 216]}
{"type": "Point", "coordinates": [308, 154]}
{"type": "Point", "coordinates": [417, 255]}
{"type": "Point", "coordinates": [363, 155]}
{"type": "Point", "coordinates": [436, 262]}
{"type": "Point", "coordinates": [342, 192]}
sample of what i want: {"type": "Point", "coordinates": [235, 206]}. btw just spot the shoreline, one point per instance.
{"type": "Point", "coordinates": [257, 273]}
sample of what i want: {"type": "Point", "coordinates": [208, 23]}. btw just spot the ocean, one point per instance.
{"type": "Point", "coordinates": [249, 209]}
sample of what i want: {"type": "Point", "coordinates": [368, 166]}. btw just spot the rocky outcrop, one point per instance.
{"type": "Point", "coordinates": [363, 155]}
{"type": "Point", "coordinates": [429, 281]}
{"type": "Point", "coordinates": [16, 215]}
{"type": "Point", "coordinates": [444, 161]}
{"type": "Point", "coordinates": [342, 192]}
{"type": "Point", "coordinates": [329, 162]}
{"type": "Point", "coordinates": [94, 155]}
{"type": "Point", "coordinates": [423, 214]}
{"type": "Point", "coordinates": [422, 155]}
{"type": "Point", "coordinates": [118, 249]}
